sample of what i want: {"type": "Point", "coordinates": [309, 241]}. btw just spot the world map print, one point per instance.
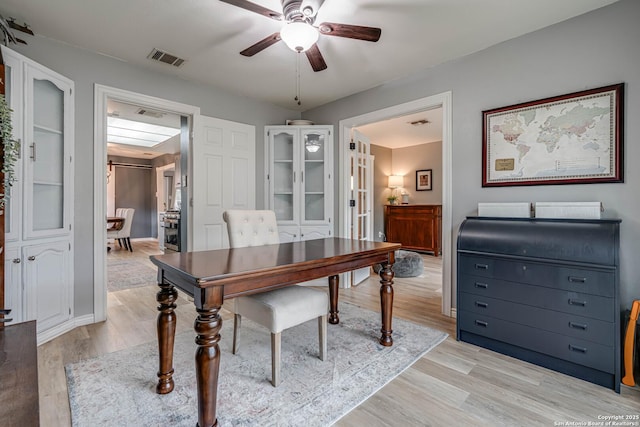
{"type": "Point", "coordinates": [571, 138]}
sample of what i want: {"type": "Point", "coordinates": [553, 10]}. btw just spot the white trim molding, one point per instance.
{"type": "Point", "coordinates": [444, 101]}
{"type": "Point", "coordinates": [101, 95]}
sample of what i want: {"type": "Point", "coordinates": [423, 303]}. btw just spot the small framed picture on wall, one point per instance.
{"type": "Point", "coordinates": [423, 180]}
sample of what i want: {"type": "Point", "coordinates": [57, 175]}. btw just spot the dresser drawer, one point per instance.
{"type": "Point", "coordinates": [571, 325]}
{"type": "Point", "coordinates": [582, 352]}
{"type": "Point", "coordinates": [575, 279]}
{"type": "Point", "coordinates": [581, 304]}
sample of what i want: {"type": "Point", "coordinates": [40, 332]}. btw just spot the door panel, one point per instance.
{"type": "Point", "coordinates": [362, 183]}
{"type": "Point", "coordinates": [223, 171]}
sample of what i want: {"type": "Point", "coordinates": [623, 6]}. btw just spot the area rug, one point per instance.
{"type": "Point", "coordinates": [118, 389]}
{"type": "Point", "coordinates": [124, 274]}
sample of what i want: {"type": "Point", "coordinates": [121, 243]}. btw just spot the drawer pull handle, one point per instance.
{"type": "Point", "coordinates": [481, 323]}
{"type": "Point", "coordinates": [577, 349]}
{"type": "Point", "coordinates": [481, 285]}
{"type": "Point", "coordinates": [580, 326]}
{"type": "Point", "coordinates": [574, 279]}
{"type": "Point", "coordinates": [576, 302]}
{"type": "Point", "coordinates": [481, 304]}
{"type": "Point", "coordinates": [482, 267]}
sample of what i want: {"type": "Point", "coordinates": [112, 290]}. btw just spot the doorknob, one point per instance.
{"type": "Point", "coordinates": [31, 258]}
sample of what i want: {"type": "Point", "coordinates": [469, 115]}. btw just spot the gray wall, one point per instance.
{"type": "Point", "coordinates": [86, 69]}
{"type": "Point", "coordinates": [589, 51]}
{"type": "Point", "coordinates": [406, 161]}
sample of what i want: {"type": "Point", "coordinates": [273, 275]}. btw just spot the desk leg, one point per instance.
{"type": "Point", "coordinates": [207, 326]}
{"type": "Point", "coordinates": [386, 303]}
{"type": "Point", "coordinates": [166, 326]}
{"type": "Point", "coordinates": [333, 299]}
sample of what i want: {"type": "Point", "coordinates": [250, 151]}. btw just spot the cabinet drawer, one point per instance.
{"type": "Point", "coordinates": [562, 323]}
{"type": "Point", "coordinates": [590, 281]}
{"type": "Point", "coordinates": [581, 304]}
{"type": "Point", "coordinates": [572, 349]}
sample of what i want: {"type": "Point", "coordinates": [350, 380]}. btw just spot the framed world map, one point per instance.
{"type": "Point", "coordinates": [568, 139]}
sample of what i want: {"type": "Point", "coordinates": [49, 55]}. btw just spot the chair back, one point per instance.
{"type": "Point", "coordinates": [127, 214]}
{"type": "Point", "coordinates": [251, 227]}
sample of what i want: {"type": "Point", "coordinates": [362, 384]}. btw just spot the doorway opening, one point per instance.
{"type": "Point", "coordinates": [104, 96]}
{"type": "Point", "coordinates": [346, 127]}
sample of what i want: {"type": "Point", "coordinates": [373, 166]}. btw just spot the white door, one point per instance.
{"type": "Point", "coordinates": [14, 291]}
{"type": "Point", "coordinates": [361, 207]}
{"type": "Point", "coordinates": [223, 177]}
{"type": "Point", "coordinates": [46, 277]}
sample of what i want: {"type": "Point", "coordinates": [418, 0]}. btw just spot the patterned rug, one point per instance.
{"type": "Point", "coordinates": [125, 274]}
{"type": "Point", "coordinates": [118, 389]}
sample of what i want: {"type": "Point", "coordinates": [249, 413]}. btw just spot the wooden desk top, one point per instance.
{"type": "Point", "coordinates": [233, 268]}
{"type": "Point", "coordinates": [19, 375]}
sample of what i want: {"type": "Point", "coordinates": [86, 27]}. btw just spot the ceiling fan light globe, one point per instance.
{"type": "Point", "coordinates": [299, 36]}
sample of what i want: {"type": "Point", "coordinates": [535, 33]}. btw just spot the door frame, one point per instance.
{"type": "Point", "coordinates": [442, 100]}
{"type": "Point", "coordinates": [102, 94]}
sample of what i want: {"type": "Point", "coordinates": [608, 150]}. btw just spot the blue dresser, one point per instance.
{"type": "Point", "coordinates": [543, 290]}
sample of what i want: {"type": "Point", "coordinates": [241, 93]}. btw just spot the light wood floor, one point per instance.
{"type": "Point", "coordinates": [455, 384]}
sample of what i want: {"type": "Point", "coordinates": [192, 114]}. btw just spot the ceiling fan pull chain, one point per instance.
{"type": "Point", "coordinates": [297, 98]}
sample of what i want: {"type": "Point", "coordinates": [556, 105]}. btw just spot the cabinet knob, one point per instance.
{"type": "Point", "coordinates": [31, 258]}
{"type": "Point", "coordinates": [17, 260]}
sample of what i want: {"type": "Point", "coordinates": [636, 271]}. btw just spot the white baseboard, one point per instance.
{"type": "Point", "coordinates": [63, 328]}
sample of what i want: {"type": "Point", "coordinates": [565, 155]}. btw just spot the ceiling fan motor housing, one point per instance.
{"type": "Point", "coordinates": [294, 12]}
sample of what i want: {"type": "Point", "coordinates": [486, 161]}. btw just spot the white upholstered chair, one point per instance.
{"type": "Point", "coordinates": [124, 233]}
{"type": "Point", "coordinates": [279, 309]}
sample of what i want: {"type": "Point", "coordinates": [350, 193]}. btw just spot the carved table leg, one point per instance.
{"type": "Point", "coordinates": [386, 302]}
{"type": "Point", "coordinates": [333, 300]}
{"type": "Point", "coordinates": [166, 326]}
{"type": "Point", "coordinates": [207, 327]}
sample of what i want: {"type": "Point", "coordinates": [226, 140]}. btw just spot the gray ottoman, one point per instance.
{"type": "Point", "coordinates": [408, 264]}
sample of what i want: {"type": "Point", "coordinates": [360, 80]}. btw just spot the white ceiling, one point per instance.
{"type": "Point", "coordinates": [144, 115]}
{"type": "Point", "coordinates": [209, 34]}
{"type": "Point", "coordinates": [399, 132]}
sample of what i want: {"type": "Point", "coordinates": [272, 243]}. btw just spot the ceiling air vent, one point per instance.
{"type": "Point", "coordinates": [150, 113]}
{"type": "Point", "coordinates": [167, 58]}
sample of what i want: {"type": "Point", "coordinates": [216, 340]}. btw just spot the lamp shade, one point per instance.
{"type": "Point", "coordinates": [299, 36]}
{"type": "Point", "coordinates": [396, 181]}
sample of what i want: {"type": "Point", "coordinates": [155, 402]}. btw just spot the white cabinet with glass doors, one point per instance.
{"type": "Point", "coordinates": [299, 185]}
{"type": "Point", "coordinates": [40, 207]}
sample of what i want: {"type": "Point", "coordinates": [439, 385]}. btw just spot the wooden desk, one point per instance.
{"type": "Point", "coordinates": [19, 375]}
{"type": "Point", "coordinates": [213, 276]}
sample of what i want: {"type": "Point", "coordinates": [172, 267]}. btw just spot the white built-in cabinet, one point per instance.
{"type": "Point", "coordinates": [38, 216]}
{"type": "Point", "coordinates": [299, 185]}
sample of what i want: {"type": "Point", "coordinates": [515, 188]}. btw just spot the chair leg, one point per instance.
{"type": "Point", "coordinates": [120, 243]}
{"type": "Point", "coordinates": [237, 320]}
{"type": "Point", "coordinates": [322, 336]}
{"type": "Point", "coordinates": [129, 244]}
{"type": "Point", "coordinates": [276, 343]}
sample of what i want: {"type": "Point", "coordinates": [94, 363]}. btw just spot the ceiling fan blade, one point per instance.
{"type": "Point", "coordinates": [370, 34]}
{"type": "Point", "coordinates": [315, 58]}
{"type": "Point", "coordinates": [244, 4]}
{"type": "Point", "coordinates": [261, 45]}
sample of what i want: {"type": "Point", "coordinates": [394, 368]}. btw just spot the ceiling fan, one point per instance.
{"type": "Point", "coordinates": [300, 32]}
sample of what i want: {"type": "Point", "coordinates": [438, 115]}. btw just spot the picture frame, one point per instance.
{"type": "Point", "coordinates": [575, 138]}
{"type": "Point", "coordinates": [424, 180]}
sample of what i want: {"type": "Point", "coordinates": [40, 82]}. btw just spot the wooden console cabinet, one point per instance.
{"type": "Point", "coordinates": [417, 227]}
{"type": "Point", "coordinates": [543, 290]}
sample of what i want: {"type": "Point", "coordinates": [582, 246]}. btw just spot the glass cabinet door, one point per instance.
{"type": "Point", "coordinates": [46, 149]}
{"type": "Point", "coordinates": [13, 84]}
{"type": "Point", "coordinates": [314, 147]}
{"type": "Point", "coordinates": [283, 179]}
